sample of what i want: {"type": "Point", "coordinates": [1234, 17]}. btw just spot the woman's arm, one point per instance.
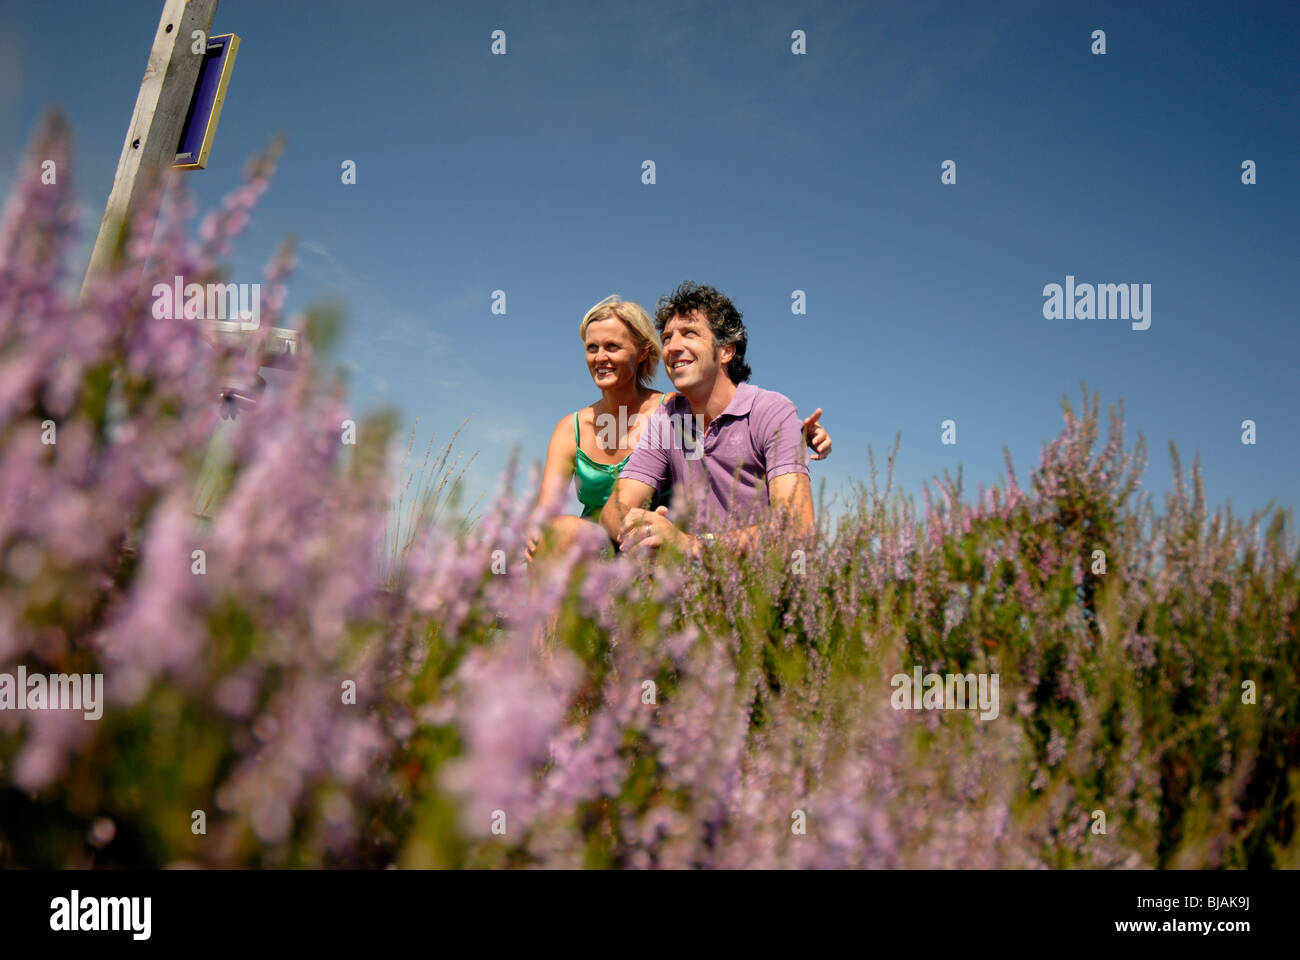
{"type": "Point", "coordinates": [817, 436]}
{"type": "Point", "coordinates": [556, 474]}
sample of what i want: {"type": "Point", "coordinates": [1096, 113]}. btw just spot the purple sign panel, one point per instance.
{"type": "Point", "coordinates": [205, 105]}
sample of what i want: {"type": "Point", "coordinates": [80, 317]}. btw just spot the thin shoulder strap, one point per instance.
{"type": "Point", "coordinates": [663, 397]}
{"type": "Point", "coordinates": [576, 438]}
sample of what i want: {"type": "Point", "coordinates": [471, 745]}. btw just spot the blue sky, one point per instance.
{"type": "Point", "coordinates": [775, 172]}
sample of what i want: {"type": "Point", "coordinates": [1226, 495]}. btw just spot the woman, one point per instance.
{"type": "Point", "coordinates": [594, 443]}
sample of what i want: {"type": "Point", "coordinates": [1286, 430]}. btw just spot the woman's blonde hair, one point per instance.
{"type": "Point", "coordinates": [638, 324]}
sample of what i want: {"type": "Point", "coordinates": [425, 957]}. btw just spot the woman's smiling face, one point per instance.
{"type": "Point", "coordinates": [612, 355]}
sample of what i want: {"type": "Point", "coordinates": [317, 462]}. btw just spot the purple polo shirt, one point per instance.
{"type": "Point", "coordinates": [758, 437]}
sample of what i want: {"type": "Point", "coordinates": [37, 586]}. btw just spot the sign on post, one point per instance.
{"type": "Point", "coordinates": [205, 106]}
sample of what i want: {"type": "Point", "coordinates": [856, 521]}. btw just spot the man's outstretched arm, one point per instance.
{"type": "Point", "coordinates": [642, 529]}
{"type": "Point", "coordinates": [793, 491]}
{"type": "Point", "coordinates": [628, 493]}
{"type": "Point", "coordinates": [789, 491]}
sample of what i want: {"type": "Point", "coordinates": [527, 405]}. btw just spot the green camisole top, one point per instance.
{"type": "Point", "coordinates": [596, 480]}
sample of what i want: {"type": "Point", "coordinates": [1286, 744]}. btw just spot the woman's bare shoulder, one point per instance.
{"type": "Point", "coordinates": [563, 432]}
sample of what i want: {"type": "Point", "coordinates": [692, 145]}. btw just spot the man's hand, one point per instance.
{"type": "Point", "coordinates": [626, 493]}
{"type": "Point", "coordinates": [816, 436]}
{"type": "Point", "coordinates": [647, 529]}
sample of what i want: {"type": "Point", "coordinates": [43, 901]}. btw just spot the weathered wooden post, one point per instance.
{"type": "Point", "coordinates": [160, 108]}
{"type": "Point", "coordinates": [167, 93]}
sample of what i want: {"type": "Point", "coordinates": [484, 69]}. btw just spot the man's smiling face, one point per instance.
{"type": "Point", "coordinates": [691, 355]}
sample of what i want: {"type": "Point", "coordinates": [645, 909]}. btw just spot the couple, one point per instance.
{"type": "Point", "coordinates": [729, 449]}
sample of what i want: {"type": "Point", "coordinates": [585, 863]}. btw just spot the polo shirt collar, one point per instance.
{"type": "Point", "coordinates": [742, 401]}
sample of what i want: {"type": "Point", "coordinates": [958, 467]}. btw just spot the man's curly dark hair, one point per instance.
{"type": "Point", "coordinates": [724, 321]}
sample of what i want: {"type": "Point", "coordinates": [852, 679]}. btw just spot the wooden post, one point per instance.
{"type": "Point", "coordinates": [155, 130]}
{"type": "Point", "coordinates": [148, 151]}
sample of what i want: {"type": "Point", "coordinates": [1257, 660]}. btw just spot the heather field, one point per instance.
{"type": "Point", "coordinates": [329, 675]}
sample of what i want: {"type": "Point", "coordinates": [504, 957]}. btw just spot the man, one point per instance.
{"type": "Point", "coordinates": [740, 448]}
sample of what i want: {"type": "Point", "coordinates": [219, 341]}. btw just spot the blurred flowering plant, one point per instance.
{"type": "Point", "coordinates": [320, 704]}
